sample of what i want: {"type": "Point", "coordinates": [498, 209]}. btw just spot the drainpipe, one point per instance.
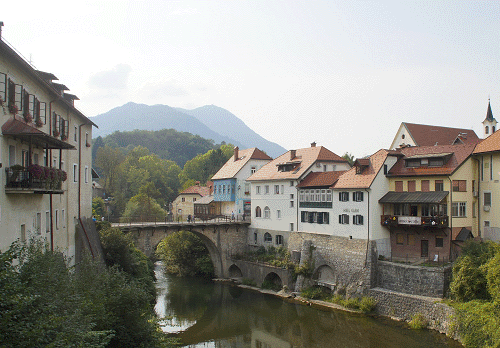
{"type": "Point", "coordinates": [368, 226]}
{"type": "Point", "coordinates": [478, 197]}
{"type": "Point", "coordinates": [49, 164]}
{"type": "Point", "coordinates": [451, 216]}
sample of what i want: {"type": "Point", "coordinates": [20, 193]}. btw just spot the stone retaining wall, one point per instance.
{"type": "Point", "coordinates": [401, 306]}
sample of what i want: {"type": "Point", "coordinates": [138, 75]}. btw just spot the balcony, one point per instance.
{"type": "Point", "coordinates": [422, 221]}
{"type": "Point", "coordinates": [35, 179]}
{"type": "Point", "coordinates": [315, 204]}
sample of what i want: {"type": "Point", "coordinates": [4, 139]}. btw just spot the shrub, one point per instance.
{"type": "Point", "coordinates": [367, 304]}
{"type": "Point", "coordinates": [351, 303]}
{"type": "Point", "coordinates": [418, 322]}
{"type": "Point", "coordinates": [249, 282]}
{"type": "Point", "coordinates": [270, 285]}
{"type": "Point", "coordinates": [313, 293]}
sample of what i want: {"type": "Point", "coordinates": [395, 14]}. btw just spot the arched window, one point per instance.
{"type": "Point", "coordinates": [492, 129]}
{"type": "Point", "coordinates": [267, 213]}
{"type": "Point", "coordinates": [268, 238]}
{"type": "Point", "coordinates": [258, 212]}
{"type": "Point", "coordinates": [486, 130]}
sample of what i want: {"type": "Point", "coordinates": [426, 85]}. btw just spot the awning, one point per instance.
{"type": "Point", "coordinates": [24, 132]}
{"type": "Point", "coordinates": [414, 197]}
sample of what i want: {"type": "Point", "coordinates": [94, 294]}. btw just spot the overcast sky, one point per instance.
{"type": "Point", "coordinates": [344, 74]}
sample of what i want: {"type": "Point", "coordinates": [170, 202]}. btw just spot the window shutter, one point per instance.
{"type": "Point", "coordinates": [326, 218]}
{"type": "Point", "coordinates": [320, 218]}
{"type": "Point", "coordinates": [340, 219]}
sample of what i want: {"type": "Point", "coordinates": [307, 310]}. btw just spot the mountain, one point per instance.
{"type": "Point", "coordinates": [210, 122]}
{"type": "Point", "coordinates": [225, 123]}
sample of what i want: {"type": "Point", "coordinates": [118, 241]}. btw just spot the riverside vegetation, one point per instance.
{"type": "Point", "coordinates": [44, 302]}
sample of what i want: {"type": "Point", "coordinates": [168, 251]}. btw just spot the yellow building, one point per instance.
{"type": "Point", "coordinates": [432, 205]}
{"type": "Point", "coordinates": [45, 155]}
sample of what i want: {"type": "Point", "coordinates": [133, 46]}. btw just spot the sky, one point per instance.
{"type": "Point", "coordinates": [343, 74]}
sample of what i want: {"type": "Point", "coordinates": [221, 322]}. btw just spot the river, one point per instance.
{"type": "Point", "coordinates": [219, 315]}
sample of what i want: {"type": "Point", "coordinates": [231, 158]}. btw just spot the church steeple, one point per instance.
{"type": "Point", "coordinates": [489, 123]}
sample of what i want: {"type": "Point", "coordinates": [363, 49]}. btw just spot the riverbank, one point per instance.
{"type": "Point", "coordinates": [390, 304]}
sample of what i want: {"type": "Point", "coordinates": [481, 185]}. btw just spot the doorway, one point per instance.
{"type": "Point", "coordinates": [424, 248]}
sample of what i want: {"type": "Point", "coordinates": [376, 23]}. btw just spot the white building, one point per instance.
{"type": "Point", "coordinates": [45, 155]}
{"type": "Point", "coordinates": [274, 191]}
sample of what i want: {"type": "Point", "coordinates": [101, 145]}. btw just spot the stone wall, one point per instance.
{"type": "Point", "coordinates": [350, 259]}
{"type": "Point", "coordinates": [258, 272]}
{"type": "Point", "coordinates": [416, 280]}
{"type": "Point", "coordinates": [404, 307]}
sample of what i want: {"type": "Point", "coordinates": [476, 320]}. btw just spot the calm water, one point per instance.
{"type": "Point", "coordinates": [220, 315]}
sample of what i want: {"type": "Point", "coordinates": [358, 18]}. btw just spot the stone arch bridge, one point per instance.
{"type": "Point", "coordinates": [223, 239]}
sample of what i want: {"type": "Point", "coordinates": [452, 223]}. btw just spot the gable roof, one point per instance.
{"type": "Point", "coordinates": [373, 164]}
{"type": "Point", "coordinates": [197, 189]}
{"type": "Point", "coordinates": [301, 159]}
{"type": "Point", "coordinates": [457, 155]}
{"type": "Point", "coordinates": [490, 144]}
{"type": "Point", "coordinates": [321, 179]}
{"type": "Point", "coordinates": [489, 114]}
{"type": "Point", "coordinates": [426, 135]}
{"type": "Point", "coordinates": [232, 167]}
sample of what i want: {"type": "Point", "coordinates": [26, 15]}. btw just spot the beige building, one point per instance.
{"type": "Point", "coordinates": [183, 205]}
{"type": "Point", "coordinates": [45, 155]}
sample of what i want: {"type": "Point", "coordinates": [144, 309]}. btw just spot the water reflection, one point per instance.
{"type": "Point", "coordinates": [217, 315]}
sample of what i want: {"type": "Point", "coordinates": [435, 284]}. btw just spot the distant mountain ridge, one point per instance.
{"type": "Point", "coordinates": [210, 122]}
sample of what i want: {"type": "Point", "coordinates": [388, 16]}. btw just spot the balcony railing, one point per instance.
{"type": "Point", "coordinates": [315, 204]}
{"type": "Point", "coordinates": [398, 220]}
{"type": "Point", "coordinates": [23, 180]}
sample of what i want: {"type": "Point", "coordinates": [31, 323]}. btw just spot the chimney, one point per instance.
{"type": "Point", "coordinates": [292, 154]}
{"type": "Point", "coordinates": [313, 144]}
{"type": "Point", "coordinates": [236, 153]}
{"type": "Point", "coordinates": [197, 183]}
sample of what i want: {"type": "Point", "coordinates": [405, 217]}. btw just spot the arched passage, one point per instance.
{"type": "Point", "coordinates": [272, 281]}
{"type": "Point", "coordinates": [324, 274]}
{"type": "Point", "coordinates": [235, 272]}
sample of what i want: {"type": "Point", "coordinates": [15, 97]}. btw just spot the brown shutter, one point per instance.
{"type": "Point", "coordinates": [425, 185]}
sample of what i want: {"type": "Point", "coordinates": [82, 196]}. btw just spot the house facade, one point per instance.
{"type": "Point", "coordinates": [45, 156]}
{"type": "Point", "coordinates": [487, 158]}
{"type": "Point", "coordinates": [430, 202]}
{"type": "Point", "coordinates": [275, 211]}
{"type": "Point", "coordinates": [183, 205]}
{"type": "Point", "coordinates": [232, 191]}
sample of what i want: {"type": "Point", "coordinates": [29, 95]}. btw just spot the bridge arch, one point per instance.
{"type": "Point", "coordinates": [235, 272]}
{"type": "Point", "coordinates": [274, 278]}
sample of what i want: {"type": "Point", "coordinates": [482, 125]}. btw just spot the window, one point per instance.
{"type": "Point", "coordinates": [183, 199]}
{"type": "Point", "coordinates": [291, 204]}
{"type": "Point", "coordinates": [12, 155]}
{"type": "Point", "coordinates": [413, 163]}
{"type": "Point", "coordinates": [487, 198]}
{"type": "Point", "coordinates": [47, 222]}
{"type": "Point", "coordinates": [57, 218]}
{"type": "Point", "coordinates": [3, 86]}
{"type": "Point", "coordinates": [411, 239]}
{"type": "Point", "coordinates": [253, 170]}
{"type": "Point", "coordinates": [279, 239]}
{"type": "Point", "coordinates": [247, 188]}
{"type": "Point", "coordinates": [399, 186]}
{"type": "Point", "coordinates": [267, 213]}
{"type": "Point", "coordinates": [282, 189]}
{"type": "Point", "coordinates": [255, 237]}
{"type": "Point", "coordinates": [343, 196]}
{"type": "Point", "coordinates": [258, 212]}
{"type": "Point", "coordinates": [439, 242]}
{"type": "Point", "coordinates": [24, 158]}
{"type": "Point", "coordinates": [459, 185]}
{"type": "Point", "coordinates": [76, 134]}
{"type": "Point", "coordinates": [291, 226]}
{"type": "Point", "coordinates": [63, 219]}
{"type": "Point", "coordinates": [268, 238]}
{"type": "Point", "coordinates": [385, 169]}
{"type": "Point", "coordinates": [438, 185]}
{"type": "Point", "coordinates": [276, 189]}
{"type": "Point", "coordinates": [486, 130]}
{"type": "Point", "coordinates": [400, 239]}
{"type": "Point", "coordinates": [344, 219]}
{"type": "Point", "coordinates": [357, 219]}
{"type": "Point", "coordinates": [257, 190]}
{"type": "Point", "coordinates": [436, 162]}
{"type": "Point", "coordinates": [75, 172]}
{"type": "Point", "coordinates": [194, 199]}
{"type": "Point", "coordinates": [86, 174]}
{"type": "Point", "coordinates": [278, 214]}
{"type": "Point", "coordinates": [425, 185]}
{"type": "Point", "coordinates": [291, 183]}
{"type": "Point", "coordinates": [458, 209]}
{"type": "Point", "coordinates": [486, 224]}
{"type": "Point", "coordinates": [291, 195]}
{"type": "Point", "coordinates": [38, 223]}
{"type": "Point", "coordinates": [357, 196]}
{"type": "Point", "coordinates": [266, 189]}
{"type": "Point", "coordinates": [411, 186]}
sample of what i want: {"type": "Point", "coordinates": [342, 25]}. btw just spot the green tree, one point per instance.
{"type": "Point", "coordinates": [349, 158]}
{"type": "Point", "coordinates": [184, 254]}
{"type": "Point", "coordinates": [98, 207]}
{"type": "Point", "coordinates": [143, 208]}
{"type": "Point", "coordinates": [107, 160]}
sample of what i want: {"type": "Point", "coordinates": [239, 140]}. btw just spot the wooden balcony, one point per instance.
{"type": "Point", "coordinates": [421, 221]}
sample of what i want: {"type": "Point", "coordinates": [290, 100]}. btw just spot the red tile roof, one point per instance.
{"type": "Point", "coordinates": [303, 159]}
{"type": "Point", "coordinates": [232, 167]}
{"type": "Point", "coordinates": [425, 135]}
{"type": "Point", "coordinates": [490, 144]}
{"type": "Point", "coordinates": [197, 189]}
{"type": "Point", "coordinates": [363, 180]}
{"type": "Point", "coordinates": [457, 155]}
{"type": "Point", "coordinates": [320, 179]}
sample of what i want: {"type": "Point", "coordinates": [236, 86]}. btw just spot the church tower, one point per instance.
{"type": "Point", "coordinates": [489, 123]}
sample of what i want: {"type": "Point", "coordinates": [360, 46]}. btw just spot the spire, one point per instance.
{"type": "Point", "coordinates": [489, 114]}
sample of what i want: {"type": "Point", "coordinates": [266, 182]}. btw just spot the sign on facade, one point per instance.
{"type": "Point", "coordinates": [409, 220]}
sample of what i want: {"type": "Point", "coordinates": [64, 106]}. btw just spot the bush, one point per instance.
{"type": "Point", "coordinates": [313, 293]}
{"type": "Point", "coordinates": [270, 285]}
{"type": "Point", "coordinates": [367, 304]}
{"type": "Point", "coordinates": [249, 282]}
{"type": "Point", "coordinates": [418, 322]}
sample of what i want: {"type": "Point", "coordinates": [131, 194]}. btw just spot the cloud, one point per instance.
{"type": "Point", "coordinates": [115, 78]}
{"type": "Point", "coordinates": [163, 89]}
{"type": "Point", "coordinates": [184, 12]}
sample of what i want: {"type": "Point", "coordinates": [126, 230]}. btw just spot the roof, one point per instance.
{"type": "Point", "coordinates": [232, 167]}
{"type": "Point", "coordinates": [490, 144]}
{"type": "Point", "coordinates": [197, 189]}
{"type": "Point", "coordinates": [461, 234]}
{"type": "Point", "coordinates": [414, 197]}
{"type": "Point", "coordinates": [17, 128]}
{"type": "Point", "coordinates": [489, 114]}
{"type": "Point", "coordinates": [371, 166]}
{"type": "Point", "coordinates": [320, 179]}
{"type": "Point", "coordinates": [205, 200]}
{"type": "Point", "coordinates": [301, 159]}
{"type": "Point", "coordinates": [457, 154]}
{"type": "Point", "coordinates": [43, 78]}
{"type": "Point", "coordinates": [426, 135]}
